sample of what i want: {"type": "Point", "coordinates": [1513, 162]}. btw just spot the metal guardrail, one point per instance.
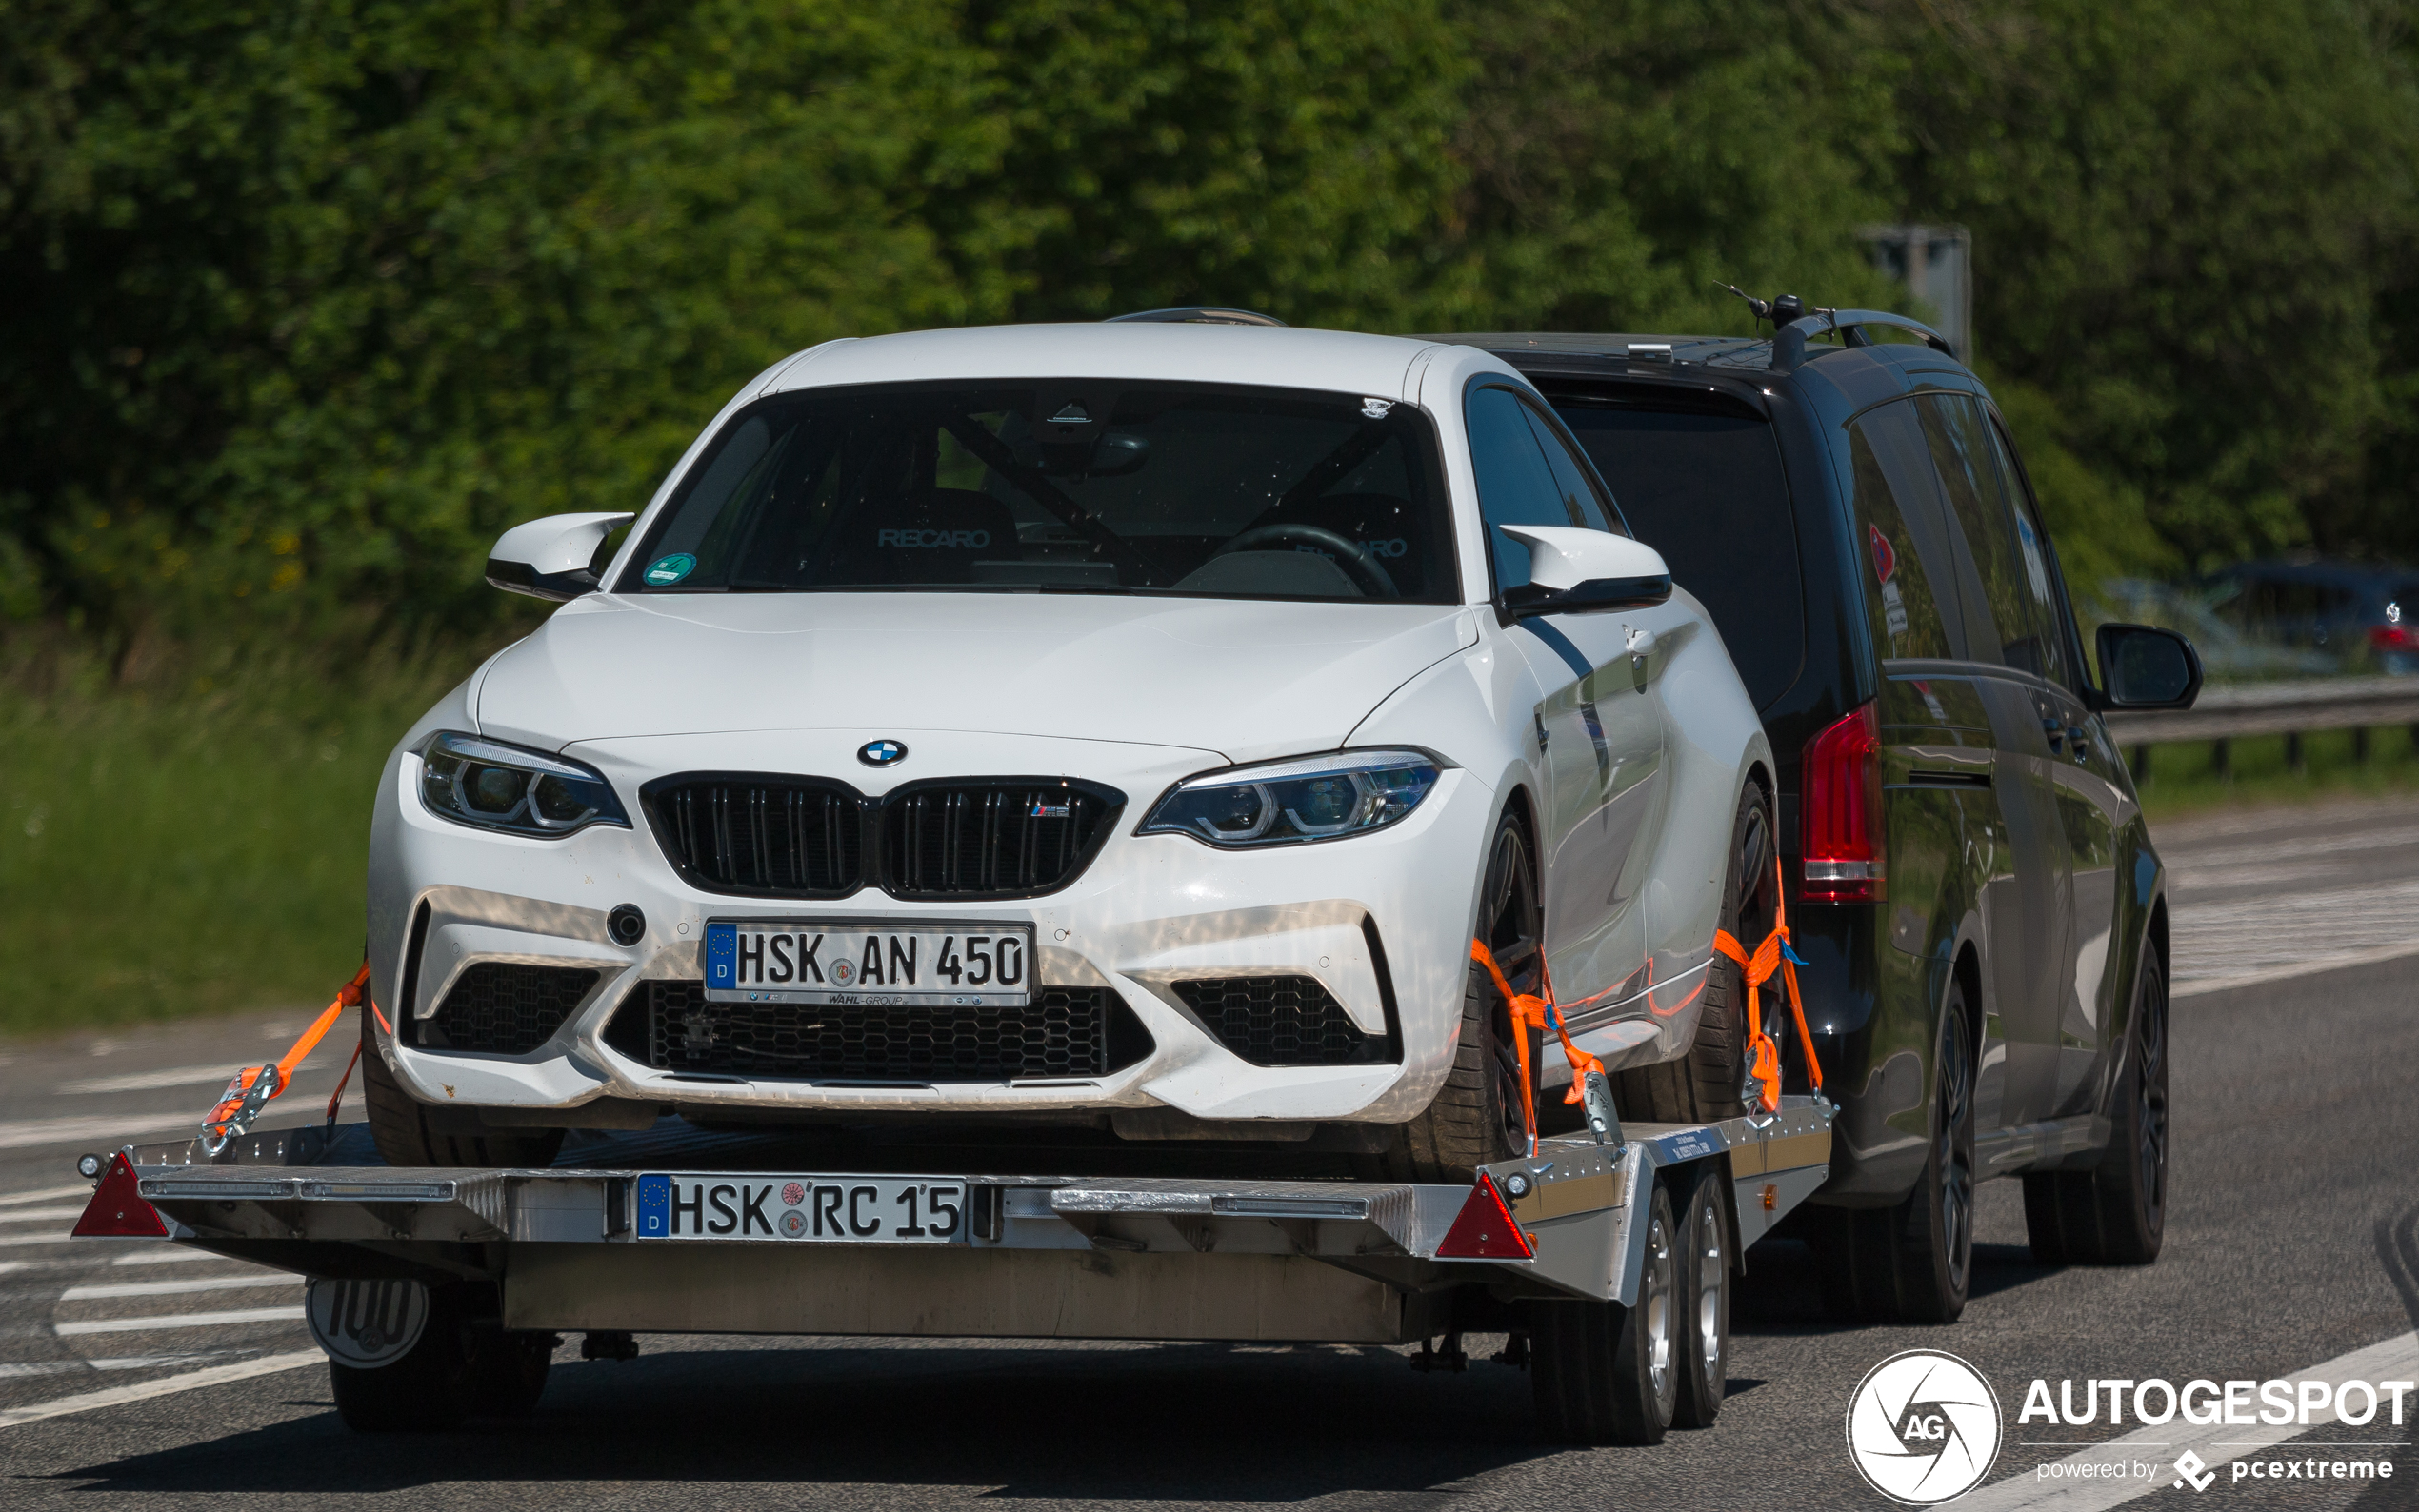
{"type": "Point", "coordinates": [2290, 709]}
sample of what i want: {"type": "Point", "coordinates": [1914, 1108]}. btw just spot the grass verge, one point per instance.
{"type": "Point", "coordinates": [194, 850]}
{"type": "Point", "coordinates": [2184, 778]}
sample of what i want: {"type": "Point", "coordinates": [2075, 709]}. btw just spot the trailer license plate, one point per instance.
{"type": "Point", "coordinates": [971, 963]}
{"type": "Point", "coordinates": [802, 1209]}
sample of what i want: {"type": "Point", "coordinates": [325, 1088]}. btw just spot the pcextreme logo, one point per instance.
{"type": "Point", "coordinates": [1923, 1426]}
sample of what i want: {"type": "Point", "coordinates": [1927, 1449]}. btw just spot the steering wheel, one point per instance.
{"type": "Point", "coordinates": [1359, 563]}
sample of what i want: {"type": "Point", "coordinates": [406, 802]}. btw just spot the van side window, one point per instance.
{"type": "Point", "coordinates": [2010, 625]}
{"type": "Point", "coordinates": [1899, 562]}
{"type": "Point", "coordinates": [1516, 486]}
{"type": "Point", "coordinates": [2040, 562]}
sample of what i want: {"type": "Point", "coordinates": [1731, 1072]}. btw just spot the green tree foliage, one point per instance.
{"type": "Point", "coordinates": [307, 302]}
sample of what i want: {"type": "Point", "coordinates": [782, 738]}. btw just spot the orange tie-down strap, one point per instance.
{"type": "Point", "coordinates": [1772, 955]}
{"type": "Point", "coordinates": [1536, 1012]}
{"type": "Point", "coordinates": [254, 1085]}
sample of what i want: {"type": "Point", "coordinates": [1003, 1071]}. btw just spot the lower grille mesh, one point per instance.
{"type": "Point", "coordinates": [1280, 1020]}
{"type": "Point", "coordinates": [1070, 1032]}
{"type": "Point", "coordinates": [504, 1008]}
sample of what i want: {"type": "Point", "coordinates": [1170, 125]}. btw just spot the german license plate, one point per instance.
{"type": "Point", "coordinates": [967, 965]}
{"type": "Point", "coordinates": [802, 1209]}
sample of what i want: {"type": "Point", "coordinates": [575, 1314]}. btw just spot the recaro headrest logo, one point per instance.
{"type": "Point", "coordinates": [1923, 1426]}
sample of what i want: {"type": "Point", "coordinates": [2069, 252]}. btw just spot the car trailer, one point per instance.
{"type": "Point", "coordinates": [1608, 1257]}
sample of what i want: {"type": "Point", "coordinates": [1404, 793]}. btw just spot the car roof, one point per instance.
{"type": "Point", "coordinates": [1714, 352]}
{"type": "Point", "coordinates": [1275, 356]}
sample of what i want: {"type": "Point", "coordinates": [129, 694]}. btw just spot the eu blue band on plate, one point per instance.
{"type": "Point", "coordinates": [655, 1206]}
{"type": "Point", "coordinates": [722, 955]}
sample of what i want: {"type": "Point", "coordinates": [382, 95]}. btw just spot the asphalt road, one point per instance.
{"type": "Point", "coordinates": [2293, 1238]}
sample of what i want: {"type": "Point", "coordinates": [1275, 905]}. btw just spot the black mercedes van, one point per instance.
{"type": "Point", "coordinates": [1969, 878]}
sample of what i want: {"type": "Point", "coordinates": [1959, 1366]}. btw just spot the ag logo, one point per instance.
{"type": "Point", "coordinates": [882, 753]}
{"type": "Point", "coordinates": [1923, 1426]}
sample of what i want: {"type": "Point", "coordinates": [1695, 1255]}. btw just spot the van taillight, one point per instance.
{"type": "Point", "coordinates": [1840, 811]}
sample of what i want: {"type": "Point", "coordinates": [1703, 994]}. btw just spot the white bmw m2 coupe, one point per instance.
{"type": "Point", "coordinates": [1126, 729]}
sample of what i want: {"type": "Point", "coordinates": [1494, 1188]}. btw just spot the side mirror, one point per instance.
{"type": "Point", "coordinates": [1576, 571]}
{"type": "Point", "coordinates": [2147, 667]}
{"type": "Point", "coordinates": [551, 558]}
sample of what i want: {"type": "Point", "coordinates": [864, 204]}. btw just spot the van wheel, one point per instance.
{"type": "Point", "coordinates": [1603, 1373]}
{"type": "Point", "coordinates": [2115, 1214]}
{"type": "Point", "coordinates": [1913, 1262]}
{"type": "Point", "coordinates": [399, 1125]}
{"type": "Point", "coordinates": [1476, 1118]}
{"type": "Point", "coordinates": [1710, 1083]}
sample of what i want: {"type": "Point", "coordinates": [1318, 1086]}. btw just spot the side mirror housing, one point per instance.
{"type": "Point", "coordinates": [551, 558]}
{"type": "Point", "coordinates": [2143, 668]}
{"type": "Point", "coordinates": [1576, 571]}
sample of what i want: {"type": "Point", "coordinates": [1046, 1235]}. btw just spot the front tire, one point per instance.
{"type": "Point", "coordinates": [399, 1125]}
{"type": "Point", "coordinates": [1476, 1118]}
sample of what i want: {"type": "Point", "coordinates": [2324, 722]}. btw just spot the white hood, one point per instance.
{"type": "Point", "coordinates": [1247, 679]}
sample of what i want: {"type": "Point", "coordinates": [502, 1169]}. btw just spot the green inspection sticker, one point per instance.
{"type": "Point", "coordinates": [665, 571]}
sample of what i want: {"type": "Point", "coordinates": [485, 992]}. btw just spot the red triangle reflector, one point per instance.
{"type": "Point", "coordinates": [117, 1209]}
{"type": "Point", "coordinates": [1484, 1229]}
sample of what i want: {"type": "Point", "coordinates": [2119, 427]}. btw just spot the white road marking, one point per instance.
{"type": "Point", "coordinates": [2222, 944]}
{"type": "Point", "coordinates": [187, 1320]}
{"type": "Point", "coordinates": [2217, 1444]}
{"type": "Point", "coordinates": [112, 1130]}
{"type": "Point", "coordinates": [26, 1240]}
{"type": "Point", "coordinates": [40, 1215]}
{"type": "Point", "coordinates": [53, 1367]}
{"type": "Point", "coordinates": [218, 1071]}
{"type": "Point", "coordinates": [2227, 863]}
{"type": "Point", "coordinates": [46, 1194]}
{"type": "Point", "coordinates": [141, 1391]}
{"type": "Point", "coordinates": [170, 1288]}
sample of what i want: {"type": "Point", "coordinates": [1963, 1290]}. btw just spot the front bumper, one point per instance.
{"type": "Point", "coordinates": [1149, 912]}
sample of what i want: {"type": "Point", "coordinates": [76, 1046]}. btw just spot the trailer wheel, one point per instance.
{"type": "Point", "coordinates": [2115, 1214]}
{"type": "Point", "coordinates": [428, 1386]}
{"type": "Point", "coordinates": [399, 1125]}
{"type": "Point", "coordinates": [509, 1370]}
{"type": "Point", "coordinates": [1608, 1374]}
{"type": "Point", "coordinates": [1705, 1303]}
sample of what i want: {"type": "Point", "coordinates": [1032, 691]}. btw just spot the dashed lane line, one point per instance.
{"type": "Point", "coordinates": [185, 1320]}
{"type": "Point", "coordinates": [40, 1215]}
{"type": "Point", "coordinates": [173, 1255]}
{"type": "Point", "coordinates": [54, 1367]}
{"type": "Point", "coordinates": [47, 1194]}
{"type": "Point", "coordinates": [144, 1390]}
{"type": "Point", "coordinates": [174, 1288]}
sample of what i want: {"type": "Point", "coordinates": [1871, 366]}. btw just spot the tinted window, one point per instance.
{"type": "Point", "coordinates": [1516, 486]}
{"type": "Point", "coordinates": [1067, 485]}
{"type": "Point", "coordinates": [1570, 479]}
{"type": "Point", "coordinates": [2005, 623]}
{"type": "Point", "coordinates": [1705, 488]}
{"type": "Point", "coordinates": [1898, 521]}
{"type": "Point", "coordinates": [2040, 572]}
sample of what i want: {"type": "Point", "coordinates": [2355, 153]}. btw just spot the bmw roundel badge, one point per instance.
{"type": "Point", "coordinates": [882, 753]}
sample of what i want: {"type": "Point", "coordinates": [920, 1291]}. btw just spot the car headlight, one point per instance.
{"type": "Point", "coordinates": [1288, 803]}
{"type": "Point", "coordinates": [521, 792]}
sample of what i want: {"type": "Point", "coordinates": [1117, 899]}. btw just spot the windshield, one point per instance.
{"type": "Point", "coordinates": [1063, 486]}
